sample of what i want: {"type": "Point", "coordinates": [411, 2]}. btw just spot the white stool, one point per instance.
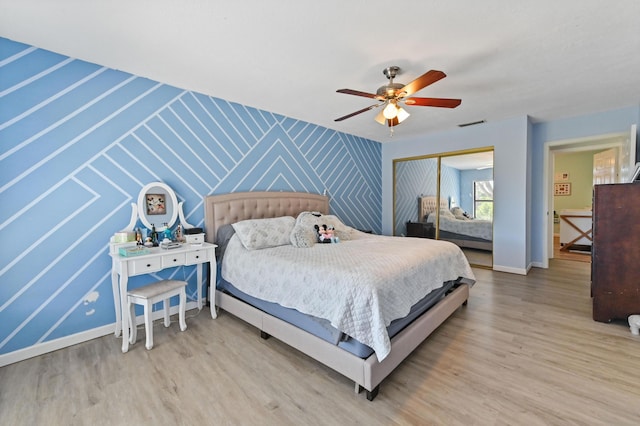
{"type": "Point", "coordinates": [154, 293]}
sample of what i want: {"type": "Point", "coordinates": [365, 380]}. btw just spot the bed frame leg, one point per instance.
{"type": "Point", "coordinates": [372, 394]}
{"type": "Point", "coordinates": [264, 335]}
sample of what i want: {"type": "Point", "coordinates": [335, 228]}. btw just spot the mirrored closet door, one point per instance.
{"type": "Point", "coordinates": [447, 196]}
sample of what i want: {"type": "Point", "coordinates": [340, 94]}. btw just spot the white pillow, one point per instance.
{"type": "Point", "coordinates": [304, 233]}
{"type": "Point", "coordinates": [264, 233]}
{"type": "Point", "coordinates": [458, 213]}
{"type": "Point", "coordinates": [446, 213]}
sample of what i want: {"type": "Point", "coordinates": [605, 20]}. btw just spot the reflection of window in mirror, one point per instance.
{"type": "Point", "coordinates": [483, 199]}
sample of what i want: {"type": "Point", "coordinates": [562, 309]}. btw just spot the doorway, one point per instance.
{"type": "Point", "coordinates": [624, 142]}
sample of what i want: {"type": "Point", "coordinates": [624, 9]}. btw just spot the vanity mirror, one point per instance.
{"type": "Point", "coordinates": [157, 205]}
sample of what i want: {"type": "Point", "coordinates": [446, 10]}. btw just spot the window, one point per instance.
{"type": "Point", "coordinates": [483, 199]}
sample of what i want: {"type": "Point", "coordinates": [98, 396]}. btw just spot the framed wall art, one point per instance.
{"type": "Point", "coordinates": [562, 189]}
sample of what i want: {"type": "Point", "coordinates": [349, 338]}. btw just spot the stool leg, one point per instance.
{"type": "Point", "coordinates": [148, 323]}
{"type": "Point", "coordinates": [181, 309]}
{"type": "Point", "coordinates": [133, 333]}
{"type": "Point", "coordinates": [166, 305]}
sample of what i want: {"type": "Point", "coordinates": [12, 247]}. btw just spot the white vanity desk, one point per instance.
{"type": "Point", "coordinates": [158, 259]}
{"type": "Point", "coordinates": [157, 203]}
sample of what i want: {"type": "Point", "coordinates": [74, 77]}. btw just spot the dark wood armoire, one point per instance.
{"type": "Point", "coordinates": [615, 263]}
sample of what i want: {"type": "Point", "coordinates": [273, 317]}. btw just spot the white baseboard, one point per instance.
{"type": "Point", "coordinates": [74, 339]}
{"type": "Point", "coordinates": [511, 270]}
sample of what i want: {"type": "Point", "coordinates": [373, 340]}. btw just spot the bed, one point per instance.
{"type": "Point", "coordinates": [315, 335]}
{"type": "Point", "coordinates": [464, 232]}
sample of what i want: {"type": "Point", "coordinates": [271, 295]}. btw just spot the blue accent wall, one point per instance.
{"type": "Point", "coordinates": [77, 143]}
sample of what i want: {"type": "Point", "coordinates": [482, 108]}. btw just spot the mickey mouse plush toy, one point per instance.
{"type": "Point", "coordinates": [325, 234]}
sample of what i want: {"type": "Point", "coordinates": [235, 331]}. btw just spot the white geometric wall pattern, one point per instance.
{"type": "Point", "coordinates": [77, 143]}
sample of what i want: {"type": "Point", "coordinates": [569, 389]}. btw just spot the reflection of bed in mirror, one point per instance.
{"type": "Point", "coordinates": [463, 231]}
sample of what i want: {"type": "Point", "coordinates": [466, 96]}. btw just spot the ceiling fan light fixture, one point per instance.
{"type": "Point", "coordinates": [402, 115]}
{"type": "Point", "coordinates": [390, 111]}
{"type": "Point", "coordinates": [390, 95]}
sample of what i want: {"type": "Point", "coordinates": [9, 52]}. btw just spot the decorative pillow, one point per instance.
{"type": "Point", "coordinates": [224, 234]}
{"type": "Point", "coordinates": [459, 214]}
{"type": "Point", "coordinates": [264, 233]}
{"type": "Point", "coordinates": [304, 233]}
{"type": "Point", "coordinates": [446, 213]}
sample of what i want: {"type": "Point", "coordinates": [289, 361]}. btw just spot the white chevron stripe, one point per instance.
{"type": "Point", "coordinates": [160, 160]}
{"type": "Point", "coordinates": [50, 298]}
{"type": "Point", "coordinates": [48, 234]}
{"type": "Point", "coordinates": [63, 120]}
{"type": "Point", "coordinates": [17, 56]}
{"type": "Point", "coordinates": [188, 148]}
{"type": "Point", "coordinates": [64, 316]}
{"type": "Point", "coordinates": [199, 141]}
{"type": "Point", "coordinates": [73, 141]}
{"type": "Point", "coordinates": [36, 77]}
{"type": "Point", "coordinates": [227, 121]}
{"type": "Point", "coordinates": [177, 157]}
{"type": "Point", "coordinates": [125, 171]}
{"type": "Point", "coordinates": [195, 117]}
{"type": "Point", "coordinates": [47, 101]}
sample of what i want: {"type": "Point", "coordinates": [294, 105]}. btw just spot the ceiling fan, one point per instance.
{"type": "Point", "coordinates": [390, 95]}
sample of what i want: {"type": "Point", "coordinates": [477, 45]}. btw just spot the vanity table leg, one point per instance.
{"type": "Point", "coordinates": [199, 280]}
{"type": "Point", "coordinates": [116, 298]}
{"type": "Point", "coordinates": [124, 281]}
{"type": "Point", "coordinates": [213, 271]}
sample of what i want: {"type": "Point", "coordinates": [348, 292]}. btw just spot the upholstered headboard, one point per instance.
{"type": "Point", "coordinates": [230, 208]}
{"type": "Point", "coordinates": [428, 205]}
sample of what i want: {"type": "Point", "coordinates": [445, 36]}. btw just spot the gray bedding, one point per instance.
{"type": "Point", "coordinates": [322, 328]}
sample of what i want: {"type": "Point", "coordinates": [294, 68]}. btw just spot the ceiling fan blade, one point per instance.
{"type": "Point", "coordinates": [423, 81]}
{"type": "Point", "coordinates": [357, 112]}
{"type": "Point", "coordinates": [433, 102]}
{"type": "Point", "coordinates": [358, 93]}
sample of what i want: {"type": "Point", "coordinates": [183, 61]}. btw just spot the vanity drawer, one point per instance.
{"type": "Point", "coordinates": [172, 259]}
{"type": "Point", "coordinates": [144, 266]}
{"type": "Point", "coordinates": [198, 256]}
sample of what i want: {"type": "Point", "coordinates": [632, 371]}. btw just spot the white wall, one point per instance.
{"type": "Point", "coordinates": [511, 188]}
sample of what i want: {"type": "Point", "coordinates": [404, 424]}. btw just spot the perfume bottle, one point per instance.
{"type": "Point", "coordinates": [179, 234]}
{"type": "Point", "coordinates": [167, 231]}
{"type": "Point", "coordinates": [138, 237]}
{"type": "Point", "coordinates": [154, 235]}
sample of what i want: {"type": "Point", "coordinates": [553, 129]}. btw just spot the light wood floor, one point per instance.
{"type": "Point", "coordinates": [569, 255]}
{"type": "Point", "coordinates": [525, 351]}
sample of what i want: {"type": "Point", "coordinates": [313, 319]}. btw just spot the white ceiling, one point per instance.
{"type": "Point", "coordinates": [547, 58]}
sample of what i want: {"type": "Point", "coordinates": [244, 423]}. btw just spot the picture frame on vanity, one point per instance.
{"type": "Point", "coordinates": [156, 204]}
